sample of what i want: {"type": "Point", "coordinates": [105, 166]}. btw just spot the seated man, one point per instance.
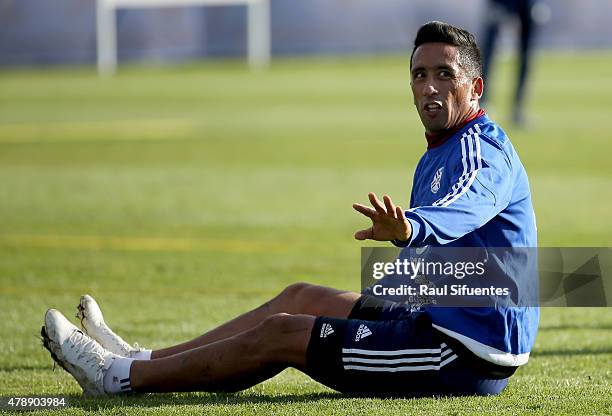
{"type": "Point", "coordinates": [470, 190]}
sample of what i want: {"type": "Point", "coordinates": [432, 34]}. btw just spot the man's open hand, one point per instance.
{"type": "Point", "coordinates": [388, 221]}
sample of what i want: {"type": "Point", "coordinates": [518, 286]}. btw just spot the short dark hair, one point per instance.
{"type": "Point", "coordinates": [469, 54]}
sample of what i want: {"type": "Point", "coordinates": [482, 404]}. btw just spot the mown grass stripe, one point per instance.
{"type": "Point", "coordinates": [88, 130]}
{"type": "Point", "coordinates": [160, 244]}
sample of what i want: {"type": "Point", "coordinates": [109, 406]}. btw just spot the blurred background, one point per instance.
{"type": "Point", "coordinates": [189, 186]}
{"type": "Point", "coordinates": [63, 31]}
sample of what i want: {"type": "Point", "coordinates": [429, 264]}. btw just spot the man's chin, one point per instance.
{"type": "Point", "coordinates": [435, 129]}
{"type": "Point", "coordinates": [434, 125]}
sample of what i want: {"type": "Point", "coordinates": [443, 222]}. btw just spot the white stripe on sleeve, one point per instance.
{"type": "Point", "coordinates": [475, 165]}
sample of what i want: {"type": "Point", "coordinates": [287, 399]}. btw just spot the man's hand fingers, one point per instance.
{"type": "Point", "coordinates": [367, 211]}
{"type": "Point", "coordinates": [364, 234]}
{"type": "Point", "coordinates": [376, 203]}
{"type": "Point", "coordinates": [389, 206]}
{"type": "Point", "coordinates": [400, 213]}
{"type": "Point", "coordinates": [401, 216]}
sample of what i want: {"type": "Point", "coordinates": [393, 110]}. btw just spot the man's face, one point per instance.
{"type": "Point", "coordinates": [444, 94]}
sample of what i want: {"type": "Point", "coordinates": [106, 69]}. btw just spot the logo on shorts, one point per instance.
{"type": "Point", "coordinates": [362, 332]}
{"type": "Point", "coordinates": [326, 329]}
{"type": "Point", "coordinates": [435, 183]}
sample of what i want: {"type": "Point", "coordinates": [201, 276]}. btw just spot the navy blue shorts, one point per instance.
{"type": "Point", "coordinates": [384, 349]}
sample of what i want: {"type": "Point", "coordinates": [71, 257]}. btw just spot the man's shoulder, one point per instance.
{"type": "Point", "coordinates": [490, 132]}
{"type": "Point", "coordinates": [480, 142]}
{"type": "Point", "coordinates": [482, 132]}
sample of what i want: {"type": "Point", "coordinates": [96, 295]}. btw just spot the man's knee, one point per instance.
{"type": "Point", "coordinates": [283, 324]}
{"type": "Point", "coordinates": [294, 296]}
{"type": "Point", "coordinates": [283, 337]}
{"type": "Point", "coordinates": [309, 299]}
{"type": "Point", "coordinates": [295, 290]}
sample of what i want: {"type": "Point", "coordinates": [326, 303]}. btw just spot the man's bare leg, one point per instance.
{"type": "Point", "coordinates": [298, 298]}
{"type": "Point", "coordinates": [231, 364]}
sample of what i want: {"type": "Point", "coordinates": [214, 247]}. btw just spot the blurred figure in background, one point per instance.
{"type": "Point", "coordinates": [497, 12]}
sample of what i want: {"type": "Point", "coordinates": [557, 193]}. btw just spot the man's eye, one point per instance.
{"type": "Point", "coordinates": [445, 74]}
{"type": "Point", "coordinates": [419, 75]}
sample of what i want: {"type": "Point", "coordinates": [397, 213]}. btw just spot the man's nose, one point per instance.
{"type": "Point", "coordinates": [429, 89]}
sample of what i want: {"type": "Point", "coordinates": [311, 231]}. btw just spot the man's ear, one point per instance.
{"type": "Point", "coordinates": [477, 88]}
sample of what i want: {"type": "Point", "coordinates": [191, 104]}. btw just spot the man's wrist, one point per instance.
{"type": "Point", "coordinates": [400, 243]}
{"type": "Point", "coordinates": [403, 240]}
{"type": "Point", "coordinates": [407, 234]}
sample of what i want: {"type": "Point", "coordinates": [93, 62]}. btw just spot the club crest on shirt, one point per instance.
{"type": "Point", "coordinates": [435, 183]}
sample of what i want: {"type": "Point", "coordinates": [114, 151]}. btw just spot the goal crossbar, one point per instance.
{"type": "Point", "coordinates": [258, 31]}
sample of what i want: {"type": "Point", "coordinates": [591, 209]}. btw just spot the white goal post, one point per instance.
{"type": "Point", "coordinates": [258, 32]}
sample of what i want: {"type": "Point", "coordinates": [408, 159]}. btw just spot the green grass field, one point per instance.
{"type": "Point", "coordinates": [181, 197]}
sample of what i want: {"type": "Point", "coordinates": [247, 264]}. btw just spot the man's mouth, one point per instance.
{"type": "Point", "coordinates": [433, 107]}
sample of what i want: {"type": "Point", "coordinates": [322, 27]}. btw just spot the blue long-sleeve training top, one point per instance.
{"type": "Point", "coordinates": [473, 191]}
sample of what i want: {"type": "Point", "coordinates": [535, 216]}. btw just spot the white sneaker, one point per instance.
{"type": "Point", "coordinates": [93, 323]}
{"type": "Point", "coordinates": [76, 353]}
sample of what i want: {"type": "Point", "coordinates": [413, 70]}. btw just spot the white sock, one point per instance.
{"type": "Point", "coordinates": [141, 355]}
{"type": "Point", "coordinates": [117, 377]}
